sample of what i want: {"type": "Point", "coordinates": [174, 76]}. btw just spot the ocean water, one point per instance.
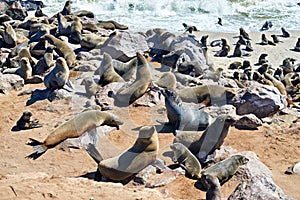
{"type": "Point", "coordinates": [141, 15]}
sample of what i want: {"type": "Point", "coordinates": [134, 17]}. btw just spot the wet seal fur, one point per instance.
{"type": "Point", "coordinates": [186, 159]}
{"type": "Point", "coordinates": [215, 176]}
{"type": "Point", "coordinates": [143, 153]}
{"type": "Point", "coordinates": [73, 128]}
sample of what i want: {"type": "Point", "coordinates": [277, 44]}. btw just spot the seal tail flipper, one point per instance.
{"type": "Point", "coordinates": [94, 153]}
{"type": "Point", "coordinates": [38, 147]}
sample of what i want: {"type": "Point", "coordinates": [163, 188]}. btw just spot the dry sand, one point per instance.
{"type": "Point", "coordinates": [57, 174]}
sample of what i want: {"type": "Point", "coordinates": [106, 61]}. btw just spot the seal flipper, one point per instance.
{"type": "Point", "coordinates": [94, 153]}
{"type": "Point", "coordinates": [39, 149]}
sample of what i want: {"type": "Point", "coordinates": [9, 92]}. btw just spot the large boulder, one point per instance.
{"type": "Point", "coordinates": [256, 181]}
{"type": "Point", "coordinates": [258, 99]}
{"type": "Point", "coordinates": [10, 82]}
{"type": "Point", "coordinates": [124, 45]}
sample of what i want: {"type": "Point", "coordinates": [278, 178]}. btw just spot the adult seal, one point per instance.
{"type": "Point", "coordinates": [181, 117]}
{"type": "Point", "coordinates": [186, 159]}
{"type": "Point", "coordinates": [143, 153]}
{"type": "Point", "coordinates": [73, 128]}
{"type": "Point", "coordinates": [215, 176]}
{"type": "Point", "coordinates": [58, 76]}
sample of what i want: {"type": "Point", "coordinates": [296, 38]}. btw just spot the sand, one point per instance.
{"type": "Point", "coordinates": [61, 174]}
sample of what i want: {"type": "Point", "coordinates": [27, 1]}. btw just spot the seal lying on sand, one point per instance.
{"type": "Point", "coordinates": [72, 129]}
{"type": "Point", "coordinates": [25, 121]}
{"type": "Point", "coordinates": [143, 152]}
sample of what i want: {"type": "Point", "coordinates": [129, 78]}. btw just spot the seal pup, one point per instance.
{"type": "Point", "coordinates": [44, 63]}
{"type": "Point", "coordinates": [285, 33]}
{"type": "Point", "coordinates": [73, 128]}
{"type": "Point", "coordinates": [248, 46]}
{"type": "Point", "coordinates": [186, 159]}
{"type": "Point", "coordinates": [25, 70]}
{"type": "Point", "coordinates": [58, 76]}
{"type": "Point", "coordinates": [224, 49]}
{"type": "Point", "coordinates": [267, 25]}
{"type": "Point", "coordinates": [294, 169]}
{"type": "Point", "coordinates": [62, 48]}
{"type": "Point", "coordinates": [143, 153]}
{"type": "Point", "coordinates": [126, 96]}
{"type": "Point", "coordinates": [181, 117]}
{"type": "Point", "coordinates": [91, 88]}
{"type": "Point", "coordinates": [25, 121]}
{"type": "Point", "coordinates": [212, 138]}
{"type": "Point", "coordinates": [216, 175]}
{"type": "Point", "coordinates": [107, 71]}
{"type": "Point", "coordinates": [244, 34]}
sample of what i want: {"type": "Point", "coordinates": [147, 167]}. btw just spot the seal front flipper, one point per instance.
{"type": "Point", "coordinates": [94, 153]}
{"type": "Point", "coordinates": [38, 147]}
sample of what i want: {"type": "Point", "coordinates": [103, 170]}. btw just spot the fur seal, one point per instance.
{"type": "Point", "coordinates": [220, 21]}
{"type": "Point", "coordinates": [75, 32]}
{"type": "Point", "coordinates": [204, 40]}
{"type": "Point", "coordinates": [264, 40]}
{"type": "Point", "coordinates": [91, 87]}
{"type": "Point", "coordinates": [224, 49]}
{"type": "Point", "coordinates": [297, 47]}
{"type": "Point", "coordinates": [206, 94]}
{"type": "Point", "coordinates": [248, 46]}
{"type": "Point", "coordinates": [181, 117]}
{"type": "Point", "coordinates": [275, 38]}
{"type": "Point", "coordinates": [186, 159]}
{"type": "Point", "coordinates": [67, 8]}
{"type": "Point", "coordinates": [167, 80]}
{"type": "Point", "coordinates": [62, 48]}
{"type": "Point", "coordinates": [63, 26]}
{"type": "Point", "coordinates": [143, 153]}
{"type": "Point", "coordinates": [126, 96]}
{"type": "Point", "coordinates": [25, 121]}
{"type": "Point", "coordinates": [238, 52]}
{"type": "Point", "coordinates": [262, 58]}
{"type": "Point", "coordinates": [25, 70]}
{"type": "Point", "coordinates": [242, 40]}
{"type": "Point", "coordinates": [107, 73]}
{"type": "Point", "coordinates": [9, 35]}
{"type": "Point", "coordinates": [285, 33]}
{"type": "Point", "coordinates": [244, 34]}
{"type": "Point", "coordinates": [294, 169]}
{"type": "Point", "coordinates": [126, 70]}
{"type": "Point", "coordinates": [73, 128]}
{"type": "Point", "coordinates": [188, 28]}
{"type": "Point", "coordinates": [44, 63]}
{"type": "Point", "coordinates": [212, 138]}
{"type": "Point", "coordinates": [58, 76]}
{"type": "Point", "coordinates": [266, 25]}
{"type": "Point", "coordinates": [110, 24]}
{"type": "Point", "coordinates": [215, 176]}
{"type": "Point", "coordinates": [91, 40]}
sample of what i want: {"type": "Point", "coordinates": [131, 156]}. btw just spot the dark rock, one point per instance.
{"type": "Point", "coordinates": [249, 121]}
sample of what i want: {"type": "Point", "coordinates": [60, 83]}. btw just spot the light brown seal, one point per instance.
{"type": "Point", "coordinates": [206, 94]}
{"type": "Point", "coordinates": [138, 88]}
{"type": "Point", "coordinates": [58, 76]}
{"type": "Point", "coordinates": [167, 80]}
{"type": "Point", "coordinates": [62, 48]}
{"type": "Point", "coordinates": [107, 72]}
{"type": "Point", "coordinates": [143, 152]}
{"type": "Point", "coordinates": [9, 35]}
{"type": "Point", "coordinates": [25, 70]}
{"type": "Point", "coordinates": [73, 128]}
{"type": "Point", "coordinates": [75, 33]}
{"type": "Point", "coordinates": [91, 87]}
{"type": "Point", "coordinates": [215, 176]}
{"type": "Point", "coordinates": [186, 159]}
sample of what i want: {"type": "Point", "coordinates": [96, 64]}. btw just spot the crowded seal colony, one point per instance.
{"type": "Point", "coordinates": [153, 109]}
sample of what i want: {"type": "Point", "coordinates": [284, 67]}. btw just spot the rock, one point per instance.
{"type": "Point", "coordinates": [249, 121]}
{"type": "Point", "coordinates": [216, 111]}
{"type": "Point", "coordinates": [162, 179]}
{"type": "Point", "coordinates": [85, 66]}
{"type": "Point", "coordinates": [16, 11]}
{"type": "Point", "coordinates": [11, 82]}
{"type": "Point", "coordinates": [260, 100]}
{"type": "Point", "coordinates": [149, 99]}
{"type": "Point", "coordinates": [124, 45]}
{"type": "Point", "coordinates": [144, 175]}
{"type": "Point", "coordinates": [59, 94]}
{"type": "Point", "coordinates": [256, 181]}
{"type": "Point", "coordinates": [159, 41]}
